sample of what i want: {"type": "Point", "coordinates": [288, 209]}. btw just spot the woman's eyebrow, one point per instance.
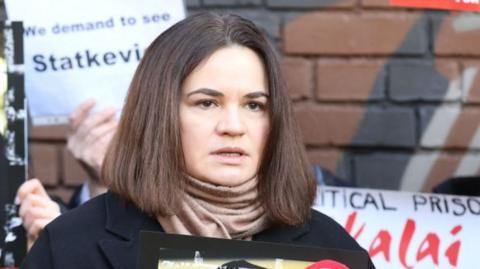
{"type": "Point", "coordinates": [254, 95]}
{"type": "Point", "coordinates": [206, 91]}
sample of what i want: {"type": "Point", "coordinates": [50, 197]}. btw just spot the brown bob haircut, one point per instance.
{"type": "Point", "coordinates": [145, 163]}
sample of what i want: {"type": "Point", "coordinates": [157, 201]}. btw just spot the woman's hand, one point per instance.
{"type": "Point", "coordinates": [36, 207]}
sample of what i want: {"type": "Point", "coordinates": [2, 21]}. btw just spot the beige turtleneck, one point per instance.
{"type": "Point", "coordinates": [218, 211]}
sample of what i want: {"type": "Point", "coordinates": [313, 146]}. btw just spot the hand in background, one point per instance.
{"type": "Point", "coordinates": [90, 133]}
{"type": "Point", "coordinates": [36, 207]}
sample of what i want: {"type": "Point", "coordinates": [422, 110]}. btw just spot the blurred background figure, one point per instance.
{"type": "Point", "coordinates": [88, 138]}
{"type": "Point", "coordinates": [462, 185]}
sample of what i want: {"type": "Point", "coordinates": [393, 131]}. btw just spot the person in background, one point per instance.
{"type": "Point", "coordinates": [207, 145]}
{"type": "Point", "coordinates": [88, 137]}
{"type": "Point", "coordinates": [459, 185]}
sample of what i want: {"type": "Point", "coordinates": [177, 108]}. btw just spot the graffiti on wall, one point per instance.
{"type": "Point", "coordinates": [417, 123]}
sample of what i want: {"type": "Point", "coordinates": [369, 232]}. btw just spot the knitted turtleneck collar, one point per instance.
{"type": "Point", "coordinates": [218, 211]}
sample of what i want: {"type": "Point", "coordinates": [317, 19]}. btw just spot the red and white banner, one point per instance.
{"type": "Point", "coordinates": [408, 230]}
{"type": "Point", "coordinates": [467, 5]}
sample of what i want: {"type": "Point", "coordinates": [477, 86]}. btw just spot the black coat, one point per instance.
{"type": "Point", "coordinates": [104, 233]}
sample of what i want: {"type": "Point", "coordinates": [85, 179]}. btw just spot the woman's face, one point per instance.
{"type": "Point", "coordinates": [224, 117]}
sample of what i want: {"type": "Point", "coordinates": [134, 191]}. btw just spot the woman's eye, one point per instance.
{"type": "Point", "coordinates": [254, 106]}
{"type": "Point", "coordinates": [206, 104]}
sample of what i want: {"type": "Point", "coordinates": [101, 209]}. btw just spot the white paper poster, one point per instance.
{"type": "Point", "coordinates": [76, 50]}
{"type": "Point", "coordinates": [407, 230]}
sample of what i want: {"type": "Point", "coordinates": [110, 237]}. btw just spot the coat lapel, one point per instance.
{"type": "Point", "coordinates": [124, 221]}
{"type": "Point", "coordinates": [120, 255]}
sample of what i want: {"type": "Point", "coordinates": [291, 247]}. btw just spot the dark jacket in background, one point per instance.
{"type": "Point", "coordinates": [466, 185]}
{"type": "Point", "coordinates": [104, 233]}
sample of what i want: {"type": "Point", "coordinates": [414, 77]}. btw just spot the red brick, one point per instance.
{"type": "Point", "coordinates": [55, 132]}
{"type": "Point", "coordinates": [376, 3]}
{"type": "Point", "coordinates": [458, 36]}
{"type": "Point", "coordinates": [44, 164]}
{"type": "Point", "coordinates": [448, 68]}
{"type": "Point", "coordinates": [444, 168]}
{"type": "Point", "coordinates": [299, 77]}
{"type": "Point", "coordinates": [328, 124]}
{"type": "Point", "coordinates": [471, 81]}
{"type": "Point", "coordinates": [73, 173]}
{"type": "Point", "coordinates": [352, 34]}
{"type": "Point", "coordinates": [326, 158]}
{"type": "Point", "coordinates": [349, 80]}
{"type": "Point", "coordinates": [464, 128]}
{"type": "Point", "coordinates": [311, 123]}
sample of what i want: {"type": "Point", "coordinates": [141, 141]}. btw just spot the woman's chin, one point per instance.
{"type": "Point", "coordinates": [227, 178]}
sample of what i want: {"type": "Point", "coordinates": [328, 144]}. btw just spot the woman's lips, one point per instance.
{"type": "Point", "coordinates": [229, 155]}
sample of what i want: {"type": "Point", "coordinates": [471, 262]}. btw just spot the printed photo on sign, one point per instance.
{"type": "Point", "coordinates": [162, 251]}
{"type": "Point", "coordinates": [85, 49]}
{"type": "Point", "coordinates": [13, 157]}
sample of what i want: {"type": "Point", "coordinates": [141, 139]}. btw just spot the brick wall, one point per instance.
{"type": "Point", "coordinates": [385, 97]}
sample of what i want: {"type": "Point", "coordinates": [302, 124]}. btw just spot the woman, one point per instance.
{"type": "Point", "coordinates": [206, 146]}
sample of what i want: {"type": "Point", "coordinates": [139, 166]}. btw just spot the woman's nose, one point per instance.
{"type": "Point", "coordinates": [230, 122]}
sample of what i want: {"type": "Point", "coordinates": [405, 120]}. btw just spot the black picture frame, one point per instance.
{"type": "Point", "coordinates": [156, 248]}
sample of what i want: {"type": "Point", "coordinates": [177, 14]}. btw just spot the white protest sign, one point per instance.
{"type": "Point", "coordinates": [407, 230]}
{"type": "Point", "coordinates": [76, 50]}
